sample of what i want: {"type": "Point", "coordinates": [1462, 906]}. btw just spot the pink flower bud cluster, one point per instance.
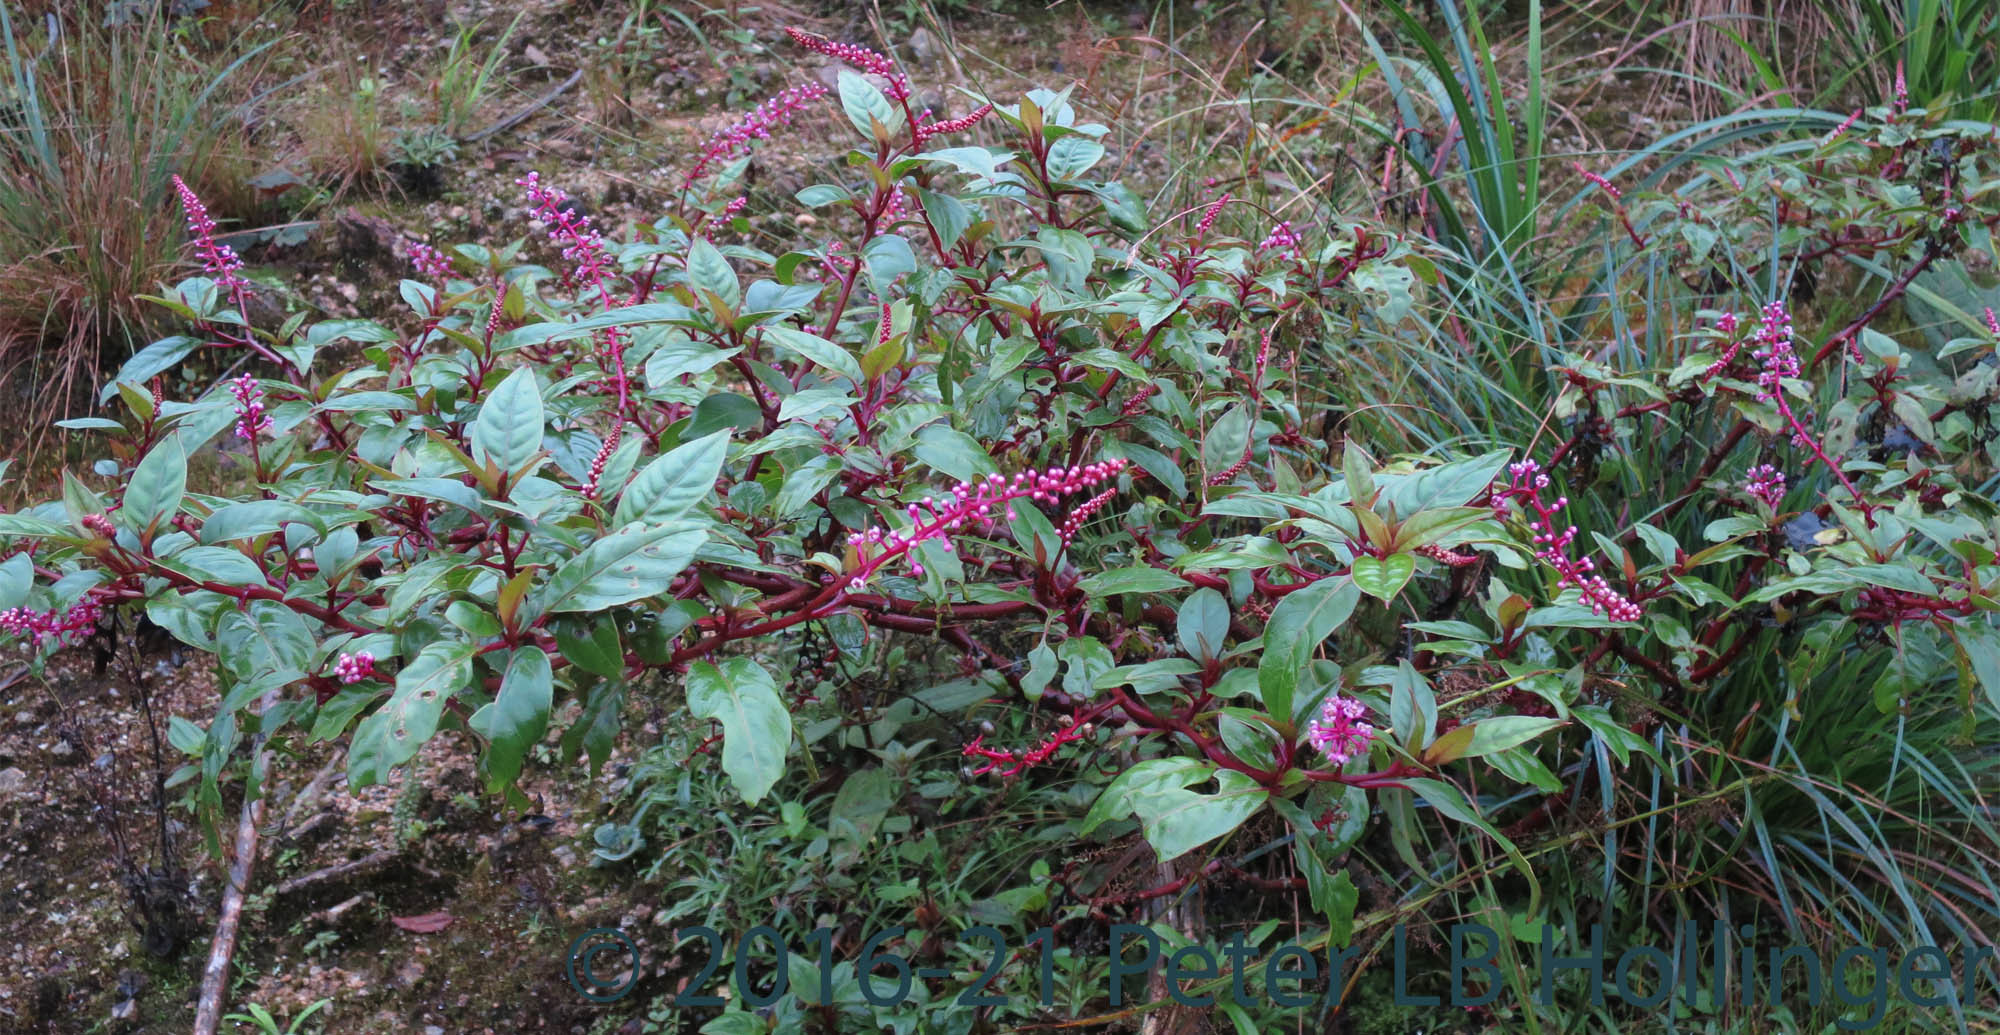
{"type": "Point", "coordinates": [250, 415]}
{"type": "Point", "coordinates": [858, 56]}
{"type": "Point", "coordinates": [580, 242]}
{"type": "Point", "coordinates": [1338, 732]}
{"type": "Point", "coordinates": [1208, 217]}
{"type": "Point", "coordinates": [1074, 522]}
{"type": "Point", "coordinates": [430, 262]}
{"type": "Point", "coordinates": [1601, 183]}
{"type": "Point", "coordinates": [353, 668]}
{"type": "Point", "coordinates": [219, 260]}
{"type": "Point", "coordinates": [957, 125]}
{"type": "Point", "coordinates": [1552, 546]}
{"type": "Point", "coordinates": [590, 487]}
{"type": "Point", "coordinates": [775, 113]}
{"type": "Point", "coordinates": [39, 627]}
{"type": "Point", "coordinates": [1282, 239]}
{"type": "Point", "coordinates": [1766, 484]}
{"type": "Point", "coordinates": [977, 502]}
{"type": "Point", "coordinates": [582, 245]}
{"type": "Point", "coordinates": [99, 524]}
{"type": "Point", "coordinates": [1992, 324]}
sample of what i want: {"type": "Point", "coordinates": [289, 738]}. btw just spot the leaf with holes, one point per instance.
{"type": "Point", "coordinates": [623, 567]}
{"type": "Point", "coordinates": [394, 734]}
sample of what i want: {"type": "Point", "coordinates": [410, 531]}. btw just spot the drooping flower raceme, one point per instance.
{"type": "Point", "coordinates": [38, 627]}
{"type": "Point", "coordinates": [977, 502]}
{"type": "Point", "coordinates": [1338, 732]}
{"type": "Point", "coordinates": [858, 56]}
{"type": "Point", "coordinates": [1552, 545]}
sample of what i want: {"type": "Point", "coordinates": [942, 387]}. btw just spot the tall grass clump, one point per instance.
{"type": "Point", "coordinates": [94, 122]}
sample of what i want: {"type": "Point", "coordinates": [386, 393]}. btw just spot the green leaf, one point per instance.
{"type": "Point", "coordinates": [623, 567]}
{"type": "Point", "coordinates": [394, 734]}
{"type": "Point", "coordinates": [709, 271]}
{"type": "Point", "coordinates": [517, 716]}
{"type": "Point", "coordinates": [1136, 579]}
{"type": "Point", "coordinates": [1505, 731]}
{"type": "Point", "coordinates": [1981, 644]}
{"type": "Point", "coordinates": [756, 728]}
{"type": "Point", "coordinates": [1299, 624]}
{"type": "Point", "coordinates": [1177, 820]}
{"type": "Point", "coordinates": [865, 105]}
{"type": "Point", "coordinates": [817, 350]}
{"type": "Point", "coordinates": [1203, 624]}
{"type": "Point", "coordinates": [1383, 577]}
{"type": "Point", "coordinates": [509, 426]}
{"type": "Point", "coordinates": [1226, 440]}
{"type": "Point", "coordinates": [673, 484]}
{"type": "Point", "coordinates": [156, 488]}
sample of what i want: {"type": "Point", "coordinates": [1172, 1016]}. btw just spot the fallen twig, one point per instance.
{"type": "Point", "coordinates": [522, 116]}
{"type": "Point", "coordinates": [215, 976]}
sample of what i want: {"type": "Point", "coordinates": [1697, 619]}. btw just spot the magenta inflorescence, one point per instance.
{"type": "Point", "coordinates": [1552, 545]}
{"type": "Point", "coordinates": [775, 113]}
{"type": "Point", "coordinates": [858, 56]}
{"type": "Point", "coordinates": [250, 415]}
{"type": "Point", "coordinates": [429, 261]}
{"type": "Point", "coordinates": [219, 260]}
{"type": "Point", "coordinates": [1208, 217]}
{"type": "Point", "coordinates": [353, 668]}
{"type": "Point", "coordinates": [595, 265]}
{"type": "Point", "coordinates": [957, 125]}
{"type": "Point", "coordinates": [977, 502]}
{"type": "Point", "coordinates": [1013, 763]}
{"type": "Point", "coordinates": [1338, 732]}
{"type": "Point", "coordinates": [1282, 239]}
{"type": "Point", "coordinates": [39, 627]}
{"type": "Point", "coordinates": [1766, 484]}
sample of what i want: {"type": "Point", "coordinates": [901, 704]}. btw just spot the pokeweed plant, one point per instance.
{"type": "Point", "coordinates": [999, 405]}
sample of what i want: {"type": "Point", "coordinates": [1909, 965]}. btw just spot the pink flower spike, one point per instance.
{"type": "Point", "coordinates": [957, 125]}
{"type": "Point", "coordinates": [1337, 731]}
{"type": "Point", "coordinates": [979, 503]}
{"type": "Point", "coordinates": [250, 415]}
{"type": "Point", "coordinates": [1281, 239]}
{"type": "Point", "coordinates": [1553, 548]}
{"type": "Point", "coordinates": [734, 140]}
{"type": "Point", "coordinates": [858, 56]}
{"type": "Point", "coordinates": [219, 260]}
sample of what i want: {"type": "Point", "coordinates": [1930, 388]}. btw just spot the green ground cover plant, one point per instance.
{"type": "Point", "coordinates": [1624, 560]}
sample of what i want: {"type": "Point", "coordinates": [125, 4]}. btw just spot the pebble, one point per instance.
{"type": "Point", "coordinates": [12, 782]}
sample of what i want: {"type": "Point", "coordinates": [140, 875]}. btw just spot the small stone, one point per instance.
{"type": "Point", "coordinates": [924, 47]}
{"type": "Point", "coordinates": [12, 782]}
{"type": "Point", "coordinates": [432, 1029]}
